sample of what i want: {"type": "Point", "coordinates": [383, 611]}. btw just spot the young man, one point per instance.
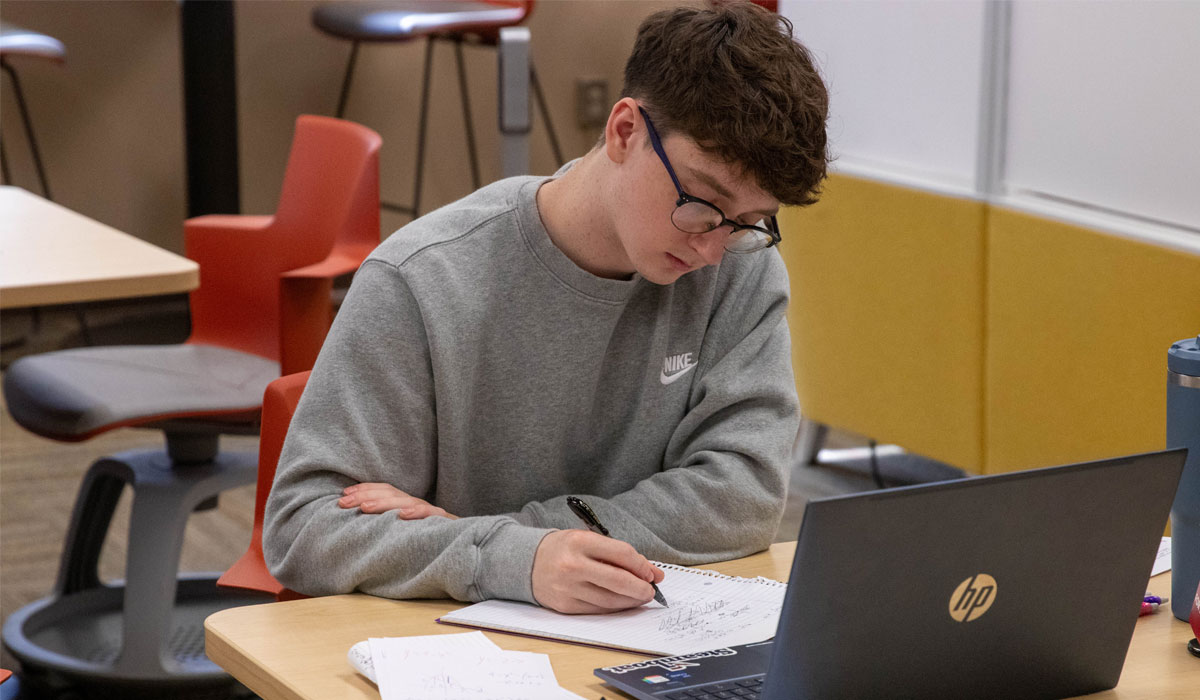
{"type": "Point", "coordinates": [614, 332]}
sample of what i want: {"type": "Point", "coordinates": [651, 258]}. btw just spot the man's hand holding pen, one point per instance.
{"type": "Point", "coordinates": [576, 571]}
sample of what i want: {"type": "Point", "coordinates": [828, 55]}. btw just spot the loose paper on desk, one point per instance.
{"type": "Point", "coordinates": [360, 657]}
{"type": "Point", "coordinates": [1162, 562]}
{"type": "Point", "coordinates": [460, 667]}
{"type": "Point", "coordinates": [707, 610]}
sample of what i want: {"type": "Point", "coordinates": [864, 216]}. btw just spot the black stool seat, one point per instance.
{"type": "Point", "coordinates": [17, 41]}
{"type": "Point", "coordinates": [75, 394]}
{"type": "Point", "coordinates": [401, 21]}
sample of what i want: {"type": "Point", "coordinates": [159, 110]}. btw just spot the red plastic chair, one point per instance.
{"type": "Point", "coordinates": [263, 304]}
{"type": "Point", "coordinates": [262, 308]}
{"type": "Point", "coordinates": [279, 403]}
{"type": "Point", "coordinates": [271, 298]}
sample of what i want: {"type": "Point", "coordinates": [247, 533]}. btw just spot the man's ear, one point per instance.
{"type": "Point", "coordinates": [620, 129]}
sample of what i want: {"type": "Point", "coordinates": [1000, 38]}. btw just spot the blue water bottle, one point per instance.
{"type": "Point", "coordinates": [1183, 430]}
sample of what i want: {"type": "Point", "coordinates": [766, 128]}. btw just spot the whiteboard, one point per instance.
{"type": "Point", "coordinates": [1104, 106]}
{"type": "Point", "coordinates": [904, 79]}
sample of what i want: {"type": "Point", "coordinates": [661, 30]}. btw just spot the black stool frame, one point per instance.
{"type": "Point", "coordinates": [413, 210]}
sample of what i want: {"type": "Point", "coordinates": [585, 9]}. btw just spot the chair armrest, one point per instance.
{"type": "Point", "coordinates": [306, 309]}
{"type": "Point", "coordinates": [206, 236]}
{"type": "Point", "coordinates": [336, 265]}
{"type": "Point", "coordinates": [226, 222]}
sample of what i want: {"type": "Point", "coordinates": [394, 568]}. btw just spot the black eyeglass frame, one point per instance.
{"type": "Point", "coordinates": [685, 198]}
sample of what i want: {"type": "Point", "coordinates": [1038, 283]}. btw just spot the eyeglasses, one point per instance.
{"type": "Point", "coordinates": [694, 215]}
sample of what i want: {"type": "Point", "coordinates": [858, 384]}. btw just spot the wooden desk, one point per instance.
{"type": "Point", "coordinates": [52, 255]}
{"type": "Point", "coordinates": [297, 650]}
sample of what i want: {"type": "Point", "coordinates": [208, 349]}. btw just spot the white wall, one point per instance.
{"type": "Point", "coordinates": [1096, 104]}
{"type": "Point", "coordinates": [904, 82]}
{"type": "Point", "coordinates": [1104, 106]}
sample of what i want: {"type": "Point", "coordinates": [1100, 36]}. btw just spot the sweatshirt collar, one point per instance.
{"type": "Point", "coordinates": [557, 262]}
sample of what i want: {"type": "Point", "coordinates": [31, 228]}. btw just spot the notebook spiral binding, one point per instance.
{"type": "Point", "coordinates": [717, 574]}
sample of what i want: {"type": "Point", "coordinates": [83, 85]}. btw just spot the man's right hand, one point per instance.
{"type": "Point", "coordinates": [577, 571]}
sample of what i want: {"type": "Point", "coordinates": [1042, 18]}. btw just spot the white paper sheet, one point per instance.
{"type": "Point", "coordinates": [455, 667]}
{"type": "Point", "coordinates": [707, 610]}
{"type": "Point", "coordinates": [1162, 562]}
{"type": "Point", "coordinates": [360, 657]}
{"type": "Point", "coordinates": [407, 673]}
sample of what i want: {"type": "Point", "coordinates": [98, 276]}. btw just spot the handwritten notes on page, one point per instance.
{"type": "Point", "coordinates": [1162, 562]}
{"type": "Point", "coordinates": [707, 610]}
{"type": "Point", "coordinates": [456, 667]}
{"type": "Point", "coordinates": [361, 659]}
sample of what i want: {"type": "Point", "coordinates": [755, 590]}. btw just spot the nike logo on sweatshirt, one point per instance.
{"type": "Point", "coordinates": [675, 366]}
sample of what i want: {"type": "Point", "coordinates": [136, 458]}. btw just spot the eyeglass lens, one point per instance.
{"type": "Point", "coordinates": [697, 217]}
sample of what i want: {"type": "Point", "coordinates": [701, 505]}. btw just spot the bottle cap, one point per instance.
{"type": "Point", "coordinates": [1184, 357]}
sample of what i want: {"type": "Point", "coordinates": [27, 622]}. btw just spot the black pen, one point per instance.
{"type": "Point", "coordinates": [588, 516]}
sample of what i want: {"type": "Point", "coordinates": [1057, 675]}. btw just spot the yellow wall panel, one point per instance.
{"type": "Point", "coordinates": [887, 315]}
{"type": "Point", "coordinates": [1078, 327]}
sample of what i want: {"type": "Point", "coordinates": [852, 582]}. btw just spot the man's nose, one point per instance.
{"type": "Point", "coordinates": [711, 245]}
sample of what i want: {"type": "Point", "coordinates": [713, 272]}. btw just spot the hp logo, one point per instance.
{"type": "Point", "coordinates": [972, 598]}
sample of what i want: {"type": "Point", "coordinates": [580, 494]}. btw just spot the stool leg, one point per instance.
{"type": "Point", "coordinates": [90, 520]}
{"type": "Point", "coordinates": [163, 499]}
{"type": "Point", "coordinates": [468, 123]}
{"type": "Point", "coordinates": [156, 529]}
{"type": "Point", "coordinates": [33, 149]}
{"type": "Point", "coordinates": [541, 102]}
{"type": "Point", "coordinates": [345, 94]}
{"type": "Point", "coordinates": [4, 173]}
{"type": "Point", "coordinates": [416, 200]}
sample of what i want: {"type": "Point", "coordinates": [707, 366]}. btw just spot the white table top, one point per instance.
{"type": "Point", "coordinates": [52, 255]}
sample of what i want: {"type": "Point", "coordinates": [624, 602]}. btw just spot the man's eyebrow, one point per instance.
{"type": "Point", "coordinates": [710, 181]}
{"type": "Point", "coordinates": [719, 188]}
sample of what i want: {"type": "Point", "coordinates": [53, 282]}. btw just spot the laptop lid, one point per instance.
{"type": "Point", "coordinates": [1024, 584]}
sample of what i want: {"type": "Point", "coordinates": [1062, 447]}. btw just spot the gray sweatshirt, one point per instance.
{"type": "Point", "coordinates": [475, 366]}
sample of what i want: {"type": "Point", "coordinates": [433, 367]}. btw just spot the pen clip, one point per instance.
{"type": "Point", "coordinates": [587, 515]}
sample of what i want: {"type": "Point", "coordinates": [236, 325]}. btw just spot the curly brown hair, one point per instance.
{"type": "Point", "coordinates": [734, 80]}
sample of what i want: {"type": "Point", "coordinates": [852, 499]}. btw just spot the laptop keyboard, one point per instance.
{"type": "Point", "coordinates": [745, 689]}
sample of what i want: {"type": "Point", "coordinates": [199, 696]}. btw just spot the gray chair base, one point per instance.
{"type": "Point", "coordinates": [148, 631]}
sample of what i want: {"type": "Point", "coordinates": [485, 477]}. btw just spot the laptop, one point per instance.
{"type": "Point", "coordinates": [1019, 585]}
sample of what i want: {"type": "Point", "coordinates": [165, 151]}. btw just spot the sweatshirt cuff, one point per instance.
{"type": "Point", "coordinates": [506, 562]}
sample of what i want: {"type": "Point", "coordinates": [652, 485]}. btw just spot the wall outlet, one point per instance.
{"type": "Point", "coordinates": [591, 102]}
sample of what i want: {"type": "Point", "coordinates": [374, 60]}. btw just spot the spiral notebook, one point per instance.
{"type": "Point", "coordinates": [707, 609]}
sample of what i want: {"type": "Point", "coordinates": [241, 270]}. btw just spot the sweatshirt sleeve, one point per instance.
{"type": "Point", "coordinates": [722, 488]}
{"type": "Point", "coordinates": [368, 415]}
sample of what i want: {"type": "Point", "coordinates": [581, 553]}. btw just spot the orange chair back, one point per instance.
{"type": "Point", "coordinates": [329, 208]}
{"type": "Point", "coordinates": [279, 403]}
{"type": "Point", "coordinates": [329, 172]}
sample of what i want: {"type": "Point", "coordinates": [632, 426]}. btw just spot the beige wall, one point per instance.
{"type": "Point", "coordinates": [110, 121]}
